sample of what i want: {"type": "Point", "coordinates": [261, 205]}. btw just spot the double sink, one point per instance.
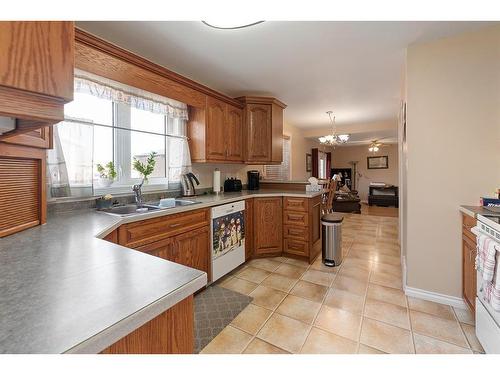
{"type": "Point", "coordinates": [133, 209]}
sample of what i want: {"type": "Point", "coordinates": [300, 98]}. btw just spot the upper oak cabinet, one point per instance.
{"type": "Point", "coordinates": [263, 136]}
{"type": "Point", "coordinates": [215, 132]}
{"type": "Point", "coordinates": [36, 72]}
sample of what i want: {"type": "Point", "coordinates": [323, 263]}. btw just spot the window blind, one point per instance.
{"type": "Point", "coordinates": [280, 172]}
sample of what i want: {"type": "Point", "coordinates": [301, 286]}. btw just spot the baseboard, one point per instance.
{"type": "Point", "coordinates": [403, 269]}
{"type": "Point", "coordinates": [435, 297]}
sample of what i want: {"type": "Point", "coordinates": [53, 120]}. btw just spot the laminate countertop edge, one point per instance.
{"type": "Point", "coordinates": [112, 334]}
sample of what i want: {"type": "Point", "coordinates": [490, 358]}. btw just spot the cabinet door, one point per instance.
{"type": "Point", "coordinates": [277, 134]}
{"type": "Point", "coordinates": [234, 136]}
{"type": "Point", "coordinates": [38, 57]}
{"type": "Point", "coordinates": [216, 135]}
{"type": "Point", "coordinates": [192, 249]}
{"type": "Point", "coordinates": [268, 227]}
{"type": "Point", "coordinates": [259, 133]}
{"type": "Point", "coordinates": [469, 273]}
{"type": "Point", "coordinates": [249, 229]}
{"type": "Point", "coordinates": [161, 249]}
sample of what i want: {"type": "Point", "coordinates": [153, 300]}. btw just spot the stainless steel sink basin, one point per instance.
{"type": "Point", "coordinates": [131, 209]}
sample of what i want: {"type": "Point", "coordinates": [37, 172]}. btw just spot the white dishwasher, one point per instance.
{"type": "Point", "coordinates": [228, 238]}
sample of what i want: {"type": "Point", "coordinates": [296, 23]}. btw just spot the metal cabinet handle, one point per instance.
{"type": "Point", "coordinates": [174, 225]}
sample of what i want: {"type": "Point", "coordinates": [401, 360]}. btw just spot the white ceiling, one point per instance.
{"type": "Point", "coordinates": [352, 68]}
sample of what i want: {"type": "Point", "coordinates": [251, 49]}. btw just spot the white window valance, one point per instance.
{"type": "Point", "coordinates": [104, 88]}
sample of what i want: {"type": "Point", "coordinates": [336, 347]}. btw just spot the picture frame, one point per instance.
{"type": "Point", "coordinates": [377, 162]}
{"type": "Point", "coordinates": [309, 162]}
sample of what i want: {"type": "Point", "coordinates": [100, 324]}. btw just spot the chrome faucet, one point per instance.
{"type": "Point", "coordinates": [138, 194]}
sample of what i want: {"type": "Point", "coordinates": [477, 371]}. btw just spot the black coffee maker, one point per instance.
{"type": "Point", "coordinates": [253, 180]}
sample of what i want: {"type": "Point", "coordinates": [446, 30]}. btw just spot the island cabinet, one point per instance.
{"type": "Point", "coordinates": [268, 230]}
{"type": "Point", "coordinates": [215, 132]}
{"type": "Point", "coordinates": [301, 227]}
{"type": "Point", "coordinates": [36, 72]}
{"type": "Point", "coordinates": [468, 261]}
{"type": "Point", "coordinates": [263, 131]}
{"type": "Point", "coordinates": [183, 238]}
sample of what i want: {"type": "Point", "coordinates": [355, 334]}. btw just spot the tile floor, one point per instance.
{"type": "Point", "coordinates": [358, 307]}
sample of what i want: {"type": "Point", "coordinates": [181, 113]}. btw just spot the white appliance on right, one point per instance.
{"type": "Point", "coordinates": [488, 317]}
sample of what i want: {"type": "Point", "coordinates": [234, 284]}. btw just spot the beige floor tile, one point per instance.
{"type": "Point", "coordinates": [470, 333]}
{"type": "Point", "coordinates": [251, 318]}
{"type": "Point", "coordinates": [264, 264]}
{"type": "Point", "coordinates": [350, 284]}
{"type": "Point", "coordinates": [464, 316]}
{"type": "Point", "coordinates": [385, 294]}
{"type": "Point", "coordinates": [355, 272]}
{"type": "Point", "coordinates": [385, 337]}
{"type": "Point", "coordinates": [318, 277]}
{"type": "Point", "coordinates": [255, 275]}
{"type": "Point", "coordinates": [268, 298]}
{"type": "Point", "coordinates": [322, 342]}
{"type": "Point", "coordinates": [258, 346]}
{"type": "Point", "coordinates": [299, 308]}
{"type": "Point", "coordinates": [230, 341]}
{"type": "Point", "coordinates": [286, 333]}
{"type": "Point", "coordinates": [365, 349]}
{"type": "Point", "coordinates": [339, 322]}
{"type": "Point", "coordinates": [428, 345]}
{"type": "Point", "coordinates": [313, 292]}
{"type": "Point", "coordinates": [279, 282]}
{"type": "Point", "coordinates": [279, 259]}
{"type": "Point", "coordinates": [389, 259]}
{"type": "Point", "coordinates": [433, 308]}
{"type": "Point", "coordinates": [387, 313]}
{"type": "Point", "coordinates": [341, 299]}
{"type": "Point", "coordinates": [239, 285]}
{"type": "Point", "coordinates": [290, 270]}
{"type": "Point", "coordinates": [366, 265]}
{"type": "Point", "coordinates": [439, 328]}
{"type": "Point", "coordinates": [387, 268]}
{"type": "Point", "coordinates": [386, 279]}
{"type": "Point", "coordinates": [297, 262]}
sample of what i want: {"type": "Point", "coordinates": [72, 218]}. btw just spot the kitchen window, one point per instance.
{"type": "Point", "coordinates": [110, 122]}
{"type": "Point", "coordinates": [280, 172]}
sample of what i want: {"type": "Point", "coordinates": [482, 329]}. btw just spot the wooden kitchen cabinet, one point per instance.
{"type": "Point", "coordinates": [301, 227]}
{"type": "Point", "coordinates": [192, 249]}
{"type": "Point", "coordinates": [216, 132]}
{"type": "Point", "coordinates": [263, 131]}
{"type": "Point", "coordinates": [468, 261]}
{"type": "Point", "coordinates": [249, 228]}
{"type": "Point", "coordinates": [36, 73]}
{"type": "Point", "coordinates": [39, 138]}
{"type": "Point", "coordinates": [268, 229]}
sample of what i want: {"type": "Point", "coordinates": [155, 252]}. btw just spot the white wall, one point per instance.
{"type": "Point", "coordinates": [341, 157]}
{"type": "Point", "coordinates": [453, 149]}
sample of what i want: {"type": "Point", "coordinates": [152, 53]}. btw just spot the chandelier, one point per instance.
{"type": "Point", "coordinates": [334, 138]}
{"type": "Point", "coordinates": [374, 146]}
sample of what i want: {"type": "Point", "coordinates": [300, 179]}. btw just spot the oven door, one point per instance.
{"type": "Point", "coordinates": [487, 322]}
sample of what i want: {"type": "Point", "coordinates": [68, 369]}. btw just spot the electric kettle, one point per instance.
{"type": "Point", "coordinates": [187, 184]}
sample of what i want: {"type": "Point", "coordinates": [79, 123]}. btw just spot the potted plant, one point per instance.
{"type": "Point", "coordinates": [145, 169]}
{"type": "Point", "coordinates": [107, 173]}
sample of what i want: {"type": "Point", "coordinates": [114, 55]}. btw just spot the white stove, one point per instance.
{"type": "Point", "coordinates": [487, 319]}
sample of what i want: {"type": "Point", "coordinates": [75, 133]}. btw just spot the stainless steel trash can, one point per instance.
{"type": "Point", "coordinates": [331, 240]}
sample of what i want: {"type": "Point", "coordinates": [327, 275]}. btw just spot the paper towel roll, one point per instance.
{"type": "Point", "coordinates": [216, 182]}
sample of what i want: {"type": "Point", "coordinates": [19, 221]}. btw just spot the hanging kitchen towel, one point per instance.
{"type": "Point", "coordinates": [486, 257]}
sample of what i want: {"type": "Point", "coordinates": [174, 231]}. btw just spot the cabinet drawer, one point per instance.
{"type": "Point", "coordinates": [295, 204]}
{"type": "Point", "coordinates": [296, 247]}
{"type": "Point", "coordinates": [147, 231]}
{"type": "Point", "coordinates": [296, 218]}
{"type": "Point", "coordinates": [295, 232]}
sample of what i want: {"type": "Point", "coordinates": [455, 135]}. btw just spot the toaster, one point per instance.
{"type": "Point", "coordinates": [232, 184]}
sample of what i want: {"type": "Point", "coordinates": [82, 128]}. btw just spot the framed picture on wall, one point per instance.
{"type": "Point", "coordinates": [378, 162]}
{"type": "Point", "coordinates": [309, 162]}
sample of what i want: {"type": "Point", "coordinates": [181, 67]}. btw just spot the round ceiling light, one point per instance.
{"type": "Point", "coordinates": [227, 25]}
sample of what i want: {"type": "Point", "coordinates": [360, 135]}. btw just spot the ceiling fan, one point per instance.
{"type": "Point", "coordinates": [376, 145]}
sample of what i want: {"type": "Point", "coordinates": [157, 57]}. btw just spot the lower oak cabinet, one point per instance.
{"type": "Point", "coordinates": [468, 261]}
{"type": "Point", "coordinates": [182, 238]}
{"type": "Point", "coordinates": [268, 230]}
{"type": "Point", "coordinates": [249, 229]}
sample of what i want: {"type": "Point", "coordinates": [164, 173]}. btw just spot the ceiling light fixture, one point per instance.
{"type": "Point", "coordinates": [222, 25]}
{"type": "Point", "coordinates": [334, 138]}
{"type": "Point", "coordinates": [374, 146]}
